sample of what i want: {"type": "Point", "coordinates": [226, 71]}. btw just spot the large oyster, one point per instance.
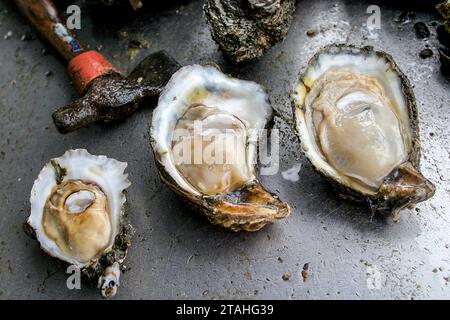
{"type": "Point", "coordinates": [246, 29]}
{"type": "Point", "coordinates": [78, 216]}
{"type": "Point", "coordinates": [204, 137]}
{"type": "Point", "coordinates": [356, 116]}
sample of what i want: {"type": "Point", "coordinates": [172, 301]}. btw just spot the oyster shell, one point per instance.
{"type": "Point", "coordinates": [356, 116]}
{"type": "Point", "coordinates": [444, 9]}
{"type": "Point", "coordinates": [78, 215]}
{"type": "Point", "coordinates": [204, 137]}
{"type": "Point", "coordinates": [443, 32]}
{"type": "Point", "coordinates": [246, 29]}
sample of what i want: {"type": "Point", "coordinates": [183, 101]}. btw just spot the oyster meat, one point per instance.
{"type": "Point", "coordinates": [204, 135]}
{"type": "Point", "coordinates": [356, 116]}
{"type": "Point", "coordinates": [246, 29]}
{"type": "Point", "coordinates": [78, 215]}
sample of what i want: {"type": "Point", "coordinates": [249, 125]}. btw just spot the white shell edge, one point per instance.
{"type": "Point", "coordinates": [107, 173]}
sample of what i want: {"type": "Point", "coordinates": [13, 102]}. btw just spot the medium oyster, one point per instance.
{"type": "Point", "coordinates": [356, 116]}
{"type": "Point", "coordinates": [204, 137]}
{"type": "Point", "coordinates": [78, 215]}
{"type": "Point", "coordinates": [246, 29]}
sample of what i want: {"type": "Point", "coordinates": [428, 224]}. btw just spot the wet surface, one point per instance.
{"type": "Point", "coordinates": [176, 252]}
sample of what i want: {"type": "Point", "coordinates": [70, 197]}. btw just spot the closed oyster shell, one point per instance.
{"type": "Point", "coordinates": [246, 29]}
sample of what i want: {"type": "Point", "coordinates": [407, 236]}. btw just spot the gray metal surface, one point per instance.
{"type": "Point", "coordinates": [177, 253]}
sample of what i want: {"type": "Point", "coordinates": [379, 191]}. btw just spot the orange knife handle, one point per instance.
{"type": "Point", "coordinates": [87, 66]}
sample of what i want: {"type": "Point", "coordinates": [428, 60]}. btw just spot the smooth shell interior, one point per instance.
{"type": "Point", "coordinates": [78, 165]}
{"type": "Point", "coordinates": [232, 100]}
{"type": "Point", "coordinates": [367, 66]}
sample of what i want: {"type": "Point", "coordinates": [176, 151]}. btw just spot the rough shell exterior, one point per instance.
{"type": "Point", "coordinates": [443, 32]}
{"type": "Point", "coordinates": [229, 214]}
{"type": "Point", "coordinates": [243, 33]}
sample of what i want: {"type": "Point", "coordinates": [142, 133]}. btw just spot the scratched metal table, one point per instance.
{"type": "Point", "coordinates": [176, 252]}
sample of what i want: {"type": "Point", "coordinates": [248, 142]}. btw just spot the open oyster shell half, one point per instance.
{"type": "Point", "coordinates": [204, 135]}
{"type": "Point", "coordinates": [356, 117]}
{"type": "Point", "coordinates": [78, 215]}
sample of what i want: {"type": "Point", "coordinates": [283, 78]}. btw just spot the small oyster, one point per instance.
{"type": "Point", "coordinates": [356, 116]}
{"type": "Point", "coordinates": [204, 135]}
{"type": "Point", "coordinates": [246, 29]}
{"type": "Point", "coordinates": [78, 215]}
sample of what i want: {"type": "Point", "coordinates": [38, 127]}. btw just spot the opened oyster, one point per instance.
{"type": "Point", "coordinates": [78, 216]}
{"type": "Point", "coordinates": [356, 116]}
{"type": "Point", "coordinates": [204, 137]}
{"type": "Point", "coordinates": [246, 29]}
